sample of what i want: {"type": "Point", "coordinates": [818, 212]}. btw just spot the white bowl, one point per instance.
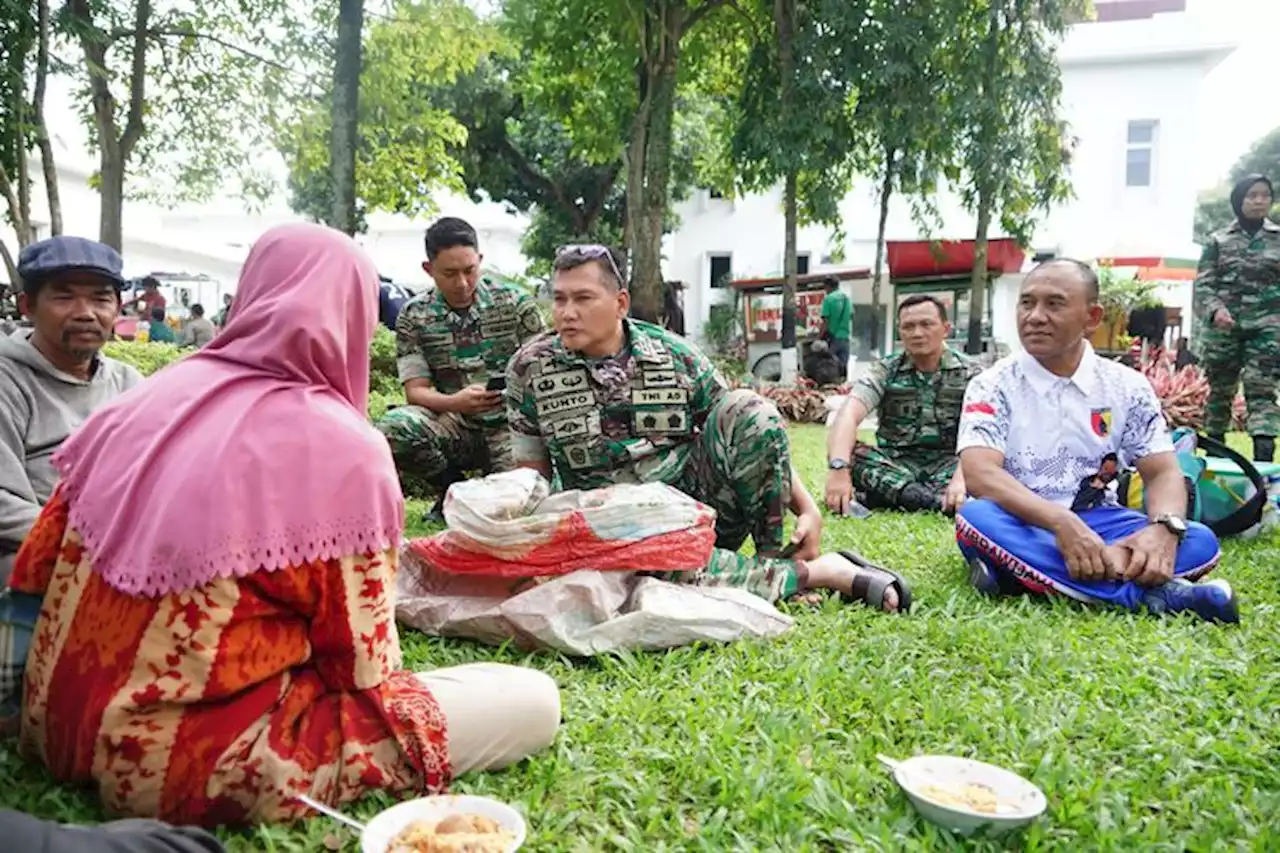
{"type": "Point", "coordinates": [1018, 802]}
{"type": "Point", "coordinates": [389, 823]}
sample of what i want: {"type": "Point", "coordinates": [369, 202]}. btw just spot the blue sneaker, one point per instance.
{"type": "Point", "coordinates": [1213, 601]}
{"type": "Point", "coordinates": [983, 577]}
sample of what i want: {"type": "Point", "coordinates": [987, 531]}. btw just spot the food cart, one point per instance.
{"type": "Point", "coordinates": [761, 300]}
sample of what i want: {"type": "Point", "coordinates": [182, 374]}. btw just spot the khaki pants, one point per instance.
{"type": "Point", "coordinates": [495, 714]}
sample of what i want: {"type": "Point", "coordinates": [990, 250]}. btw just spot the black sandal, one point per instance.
{"type": "Point", "coordinates": [870, 583]}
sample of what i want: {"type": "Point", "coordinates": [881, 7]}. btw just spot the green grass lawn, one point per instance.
{"type": "Point", "coordinates": [1145, 734]}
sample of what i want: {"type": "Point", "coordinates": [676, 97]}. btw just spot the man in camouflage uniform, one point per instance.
{"type": "Point", "coordinates": [919, 394]}
{"type": "Point", "coordinates": [450, 343]}
{"type": "Point", "coordinates": [607, 399]}
{"type": "Point", "coordinates": [1237, 298]}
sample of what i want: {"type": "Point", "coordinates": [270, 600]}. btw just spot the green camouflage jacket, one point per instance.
{"type": "Point", "coordinates": [917, 411]}
{"type": "Point", "coordinates": [627, 418]}
{"type": "Point", "coordinates": [453, 350]}
{"type": "Point", "coordinates": [1242, 274]}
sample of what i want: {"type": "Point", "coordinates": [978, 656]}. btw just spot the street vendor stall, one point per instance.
{"type": "Point", "coordinates": [761, 300]}
{"type": "Point", "coordinates": [943, 269]}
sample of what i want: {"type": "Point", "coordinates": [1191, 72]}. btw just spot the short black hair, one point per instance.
{"type": "Point", "coordinates": [1088, 277]}
{"type": "Point", "coordinates": [197, 310]}
{"type": "Point", "coordinates": [831, 283]}
{"type": "Point", "coordinates": [157, 314]}
{"type": "Point", "coordinates": [447, 232]}
{"type": "Point", "coordinates": [920, 299]}
{"type": "Point", "coordinates": [151, 281]}
{"type": "Point", "coordinates": [610, 273]}
{"type": "Point", "coordinates": [1110, 457]}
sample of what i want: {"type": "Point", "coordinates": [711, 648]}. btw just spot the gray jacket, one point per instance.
{"type": "Point", "coordinates": [39, 407]}
{"type": "Point", "coordinates": [197, 333]}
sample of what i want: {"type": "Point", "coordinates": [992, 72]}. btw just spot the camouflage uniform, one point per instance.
{"type": "Point", "coordinates": [919, 419]}
{"type": "Point", "coordinates": [659, 412]}
{"type": "Point", "coordinates": [453, 350]}
{"type": "Point", "coordinates": [1242, 274]}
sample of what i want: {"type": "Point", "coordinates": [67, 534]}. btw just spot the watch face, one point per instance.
{"type": "Point", "coordinates": [837, 464]}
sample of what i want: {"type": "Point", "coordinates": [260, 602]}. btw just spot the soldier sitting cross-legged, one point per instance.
{"type": "Point", "coordinates": [607, 399]}
{"type": "Point", "coordinates": [451, 343]}
{"type": "Point", "coordinates": [919, 394]}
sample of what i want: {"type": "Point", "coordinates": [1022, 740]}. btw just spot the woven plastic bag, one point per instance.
{"type": "Point", "coordinates": [510, 525]}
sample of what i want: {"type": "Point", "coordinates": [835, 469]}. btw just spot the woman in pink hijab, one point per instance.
{"type": "Point", "coordinates": [218, 572]}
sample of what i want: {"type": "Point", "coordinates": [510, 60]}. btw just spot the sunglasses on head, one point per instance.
{"type": "Point", "coordinates": [578, 254]}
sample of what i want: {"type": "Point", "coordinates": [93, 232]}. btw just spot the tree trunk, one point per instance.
{"type": "Point", "coordinates": [47, 165]}
{"type": "Point", "coordinates": [17, 213]}
{"type": "Point", "coordinates": [978, 279]}
{"type": "Point", "coordinates": [886, 192]}
{"type": "Point", "coordinates": [792, 359]}
{"type": "Point", "coordinates": [664, 28]}
{"type": "Point", "coordinates": [9, 266]}
{"type": "Point", "coordinates": [344, 127]}
{"type": "Point", "coordinates": [111, 194]}
{"type": "Point", "coordinates": [114, 151]}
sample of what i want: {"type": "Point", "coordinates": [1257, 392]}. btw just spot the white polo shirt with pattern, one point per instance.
{"type": "Point", "coordinates": [1055, 431]}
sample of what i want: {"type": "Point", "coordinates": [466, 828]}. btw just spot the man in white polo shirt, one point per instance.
{"type": "Point", "coordinates": [1045, 430]}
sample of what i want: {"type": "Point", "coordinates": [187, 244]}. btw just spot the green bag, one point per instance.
{"type": "Point", "coordinates": [1225, 491]}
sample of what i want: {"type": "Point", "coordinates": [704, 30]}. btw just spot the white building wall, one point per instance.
{"type": "Point", "coordinates": [1112, 74]}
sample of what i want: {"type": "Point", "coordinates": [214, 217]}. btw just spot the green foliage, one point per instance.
{"type": "Point", "coordinates": [145, 356]}
{"type": "Point", "coordinates": [722, 329]}
{"type": "Point", "coordinates": [221, 78]}
{"type": "Point", "coordinates": [808, 132]}
{"type": "Point", "coordinates": [1119, 295]}
{"type": "Point", "coordinates": [1145, 733]}
{"type": "Point", "coordinates": [383, 376]}
{"type": "Point", "coordinates": [1213, 207]}
{"type": "Point", "coordinates": [1004, 96]}
{"type": "Point", "coordinates": [385, 389]}
{"type": "Point", "coordinates": [408, 134]}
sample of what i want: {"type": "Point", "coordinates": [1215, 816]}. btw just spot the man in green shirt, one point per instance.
{"type": "Point", "coordinates": [837, 322]}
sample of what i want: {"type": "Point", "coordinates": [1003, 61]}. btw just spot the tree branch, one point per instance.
{"type": "Point", "coordinates": [95, 55]}
{"type": "Point", "coordinates": [544, 184]}
{"type": "Point", "coordinates": [696, 15]}
{"type": "Point", "coordinates": [10, 267]}
{"type": "Point", "coordinates": [137, 81]}
{"type": "Point", "coordinates": [181, 32]}
{"type": "Point", "coordinates": [16, 214]}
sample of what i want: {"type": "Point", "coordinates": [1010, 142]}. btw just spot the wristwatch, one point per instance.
{"type": "Point", "coordinates": [1172, 523]}
{"type": "Point", "coordinates": [838, 464]}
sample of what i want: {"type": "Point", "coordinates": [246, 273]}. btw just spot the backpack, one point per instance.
{"type": "Point", "coordinates": [1225, 491]}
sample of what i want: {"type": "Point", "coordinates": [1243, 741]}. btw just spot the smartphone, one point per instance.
{"type": "Point", "coordinates": [496, 383]}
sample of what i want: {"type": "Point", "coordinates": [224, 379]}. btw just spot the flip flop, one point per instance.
{"type": "Point", "coordinates": [870, 583]}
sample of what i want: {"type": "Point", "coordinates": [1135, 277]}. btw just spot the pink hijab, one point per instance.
{"type": "Point", "coordinates": [255, 453]}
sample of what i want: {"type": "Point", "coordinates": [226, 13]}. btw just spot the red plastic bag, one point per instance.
{"type": "Point", "coordinates": [509, 525]}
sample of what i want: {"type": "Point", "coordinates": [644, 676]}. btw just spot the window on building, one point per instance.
{"type": "Point", "coordinates": [721, 270]}
{"type": "Point", "coordinates": [1139, 165]}
{"type": "Point", "coordinates": [802, 263]}
{"type": "Point", "coordinates": [712, 192]}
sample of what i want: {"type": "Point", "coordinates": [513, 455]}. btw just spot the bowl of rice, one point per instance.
{"type": "Point", "coordinates": [964, 795]}
{"type": "Point", "coordinates": [447, 824]}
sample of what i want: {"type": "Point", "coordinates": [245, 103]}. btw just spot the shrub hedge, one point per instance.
{"type": "Point", "coordinates": [384, 386]}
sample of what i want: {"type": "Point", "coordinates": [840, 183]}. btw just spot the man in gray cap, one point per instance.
{"type": "Point", "coordinates": [52, 376]}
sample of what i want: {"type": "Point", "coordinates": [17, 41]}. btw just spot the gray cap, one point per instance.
{"type": "Point", "coordinates": [61, 254]}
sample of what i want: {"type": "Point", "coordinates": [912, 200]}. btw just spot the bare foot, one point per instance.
{"type": "Point", "coordinates": [831, 571]}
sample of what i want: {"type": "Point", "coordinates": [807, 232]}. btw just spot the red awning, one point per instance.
{"type": "Point", "coordinates": [922, 258]}
{"type": "Point", "coordinates": [1151, 268]}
